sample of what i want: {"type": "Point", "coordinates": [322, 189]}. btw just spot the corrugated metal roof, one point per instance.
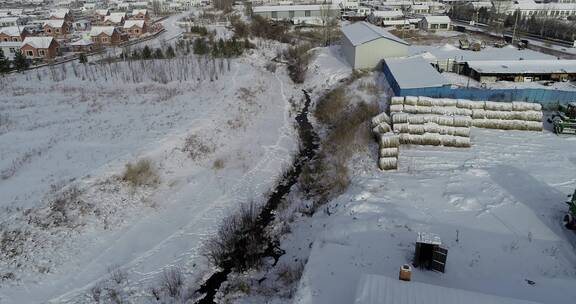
{"type": "Point", "coordinates": [414, 72]}
{"type": "Point", "coordinates": [361, 32]}
{"type": "Point", "coordinates": [376, 289]}
{"type": "Point", "coordinates": [523, 66]}
{"type": "Point", "coordinates": [437, 19]}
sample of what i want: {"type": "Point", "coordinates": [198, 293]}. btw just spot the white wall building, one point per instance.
{"type": "Point", "coordinates": [365, 45]}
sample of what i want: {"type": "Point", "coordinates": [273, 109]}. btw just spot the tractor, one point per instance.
{"type": "Point", "coordinates": [564, 120]}
{"type": "Point", "coordinates": [570, 217]}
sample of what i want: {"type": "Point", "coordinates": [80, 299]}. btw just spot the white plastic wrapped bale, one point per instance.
{"type": "Point", "coordinates": [423, 110]}
{"type": "Point", "coordinates": [505, 115]}
{"type": "Point", "coordinates": [479, 114]}
{"type": "Point", "coordinates": [498, 106]}
{"type": "Point", "coordinates": [416, 129]}
{"type": "Point", "coordinates": [448, 102]}
{"type": "Point", "coordinates": [507, 124]}
{"type": "Point", "coordinates": [380, 118]}
{"type": "Point", "coordinates": [431, 127]}
{"type": "Point", "coordinates": [410, 109]}
{"type": "Point", "coordinates": [388, 152]}
{"type": "Point", "coordinates": [462, 121]}
{"type": "Point", "coordinates": [397, 100]}
{"type": "Point", "coordinates": [470, 104]}
{"type": "Point", "coordinates": [388, 163]}
{"type": "Point", "coordinates": [389, 140]}
{"type": "Point", "coordinates": [401, 128]}
{"type": "Point", "coordinates": [462, 131]}
{"type": "Point", "coordinates": [451, 111]}
{"type": "Point", "coordinates": [432, 139]}
{"type": "Point", "coordinates": [461, 142]}
{"type": "Point", "coordinates": [445, 120]}
{"type": "Point", "coordinates": [411, 100]}
{"type": "Point", "coordinates": [399, 118]}
{"type": "Point", "coordinates": [529, 115]}
{"type": "Point", "coordinates": [526, 106]}
{"type": "Point", "coordinates": [396, 108]}
{"type": "Point", "coordinates": [381, 129]}
{"type": "Point", "coordinates": [424, 101]}
{"type": "Point", "coordinates": [416, 119]}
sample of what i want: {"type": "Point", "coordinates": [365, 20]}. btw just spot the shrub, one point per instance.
{"type": "Point", "coordinates": [143, 173]}
{"type": "Point", "coordinates": [117, 274]}
{"type": "Point", "coordinates": [197, 147]}
{"type": "Point", "coordinates": [172, 281]}
{"type": "Point", "coordinates": [240, 243]}
{"type": "Point", "coordinates": [218, 164]}
{"type": "Point", "coordinates": [298, 58]}
{"type": "Point", "coordinates": [330, 108]}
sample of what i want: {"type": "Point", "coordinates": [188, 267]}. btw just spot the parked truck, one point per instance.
{"type": "Point", "coordinates": [570, 217]}
{"type": "Point", "coordinates": [564, 121]}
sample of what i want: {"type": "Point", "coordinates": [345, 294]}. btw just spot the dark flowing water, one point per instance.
{"type": "Point", "coordinates": [307, 151]}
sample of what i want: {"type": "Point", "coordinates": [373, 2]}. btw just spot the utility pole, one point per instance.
{"type": "Point", "coordinates": [515, 24]}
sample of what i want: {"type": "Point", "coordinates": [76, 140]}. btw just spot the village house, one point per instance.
{"type": "Point", "coordinates": [140, 14]}
{"type": "Point", "coordinates": [114, 19]}
{"type": "Point", "coordinates": [45, 48]}
{"type": "Point", "coordinates": [82, 46]}
{"type": "Point", "coordinates": [10, 48]}
{"type": "Point", "coordinates": [100, 14]}
{"type": "Point", "coordinates": [9, 21]}
{"type": "Point", "coordinates": [106, 35]}
{"type": "Point", "coordinates": [13, 33]}
{"type": "Point", "coordinates": [135, 28]}
{"type": "Point", "coordinates": [56, 28]}
{"type": "Point", "coordinates": [82, 25]}
{"type": "Point", "coordinates": [435, 23]}
{"type": "Point", "coordinates": [61, 14]}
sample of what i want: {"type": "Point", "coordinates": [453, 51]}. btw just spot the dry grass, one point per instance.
{"type": "Point", "coordinates": [197, 147]}
{"type": "Point", "coordinates": [331, 106]}
{"type": "Point", "coordinates": [218, 164]}
{"type": "Point", "coordinates": [348, 129]}
{"type": "Point", "coordinates": [142, 173]}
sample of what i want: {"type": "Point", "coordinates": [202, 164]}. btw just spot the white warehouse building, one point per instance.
{"type": "Point", "coordinates": [365, 45]}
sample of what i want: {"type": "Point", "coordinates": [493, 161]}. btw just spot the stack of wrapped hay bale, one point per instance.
{"type": "Point", "coordinates": [507, 115]}
{"type": "Point", "coordinates": [388, 141]}
{"type": "Point", "coordinates": [429, 121]}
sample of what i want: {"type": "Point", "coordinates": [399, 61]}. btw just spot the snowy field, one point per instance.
{"type": "Point", "coordinates": [504, 198]}
{"type": "Point", "coordinates": [214, 144]}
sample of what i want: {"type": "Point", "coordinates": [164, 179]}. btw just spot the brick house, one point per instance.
{"type": "Point", "coordinates": [107, 35]}
{"type": "Point", "coordinates": [82, 46]}
{"type": "Point", "coordinates": [100, 14]}
{"type": "Point", "coordinates": [61, 14]}
{"type": "Point", "coordinates": [56, 28]}
{"type": "Point", "coordinates": [140, 14]}
{"type": "Point", "coordinates": [135, 28]}
{"type": "Point", "coordinates": [114, 19]}
{"type": "Point", "coordinates": [44, 48]}
{"type": "Point", "coordinates": [13, 33]}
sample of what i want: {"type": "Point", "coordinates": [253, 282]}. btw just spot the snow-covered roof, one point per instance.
{"type": "Point", "coordinates": [377, 289]}
{"type": "Point", "coordinates": [362, 32]}
{"type": "Point", "coordinates": [115, 17]}
{"type": "Point", "coordinates": [131, 23]}
{"type": "Point", "coordinates": [10, 44]}
{"type": "Point", "coordinates": [387, 13]}
{"type": "Point", "coordinates": [82, 42]}
{"type": "Point", "coordinates": [139, 11]}
{"type": "Point", "coordinates": [38, 42]}
{"type": "Point", "coordinates": [428, 238]}
{"type": "Point", "coordinates": [102, 12]}
{"type": "Point", "coordinates": [57, 23]}
{"type": "Point", "coordinates": [437, 19]}
{"type": "Point", "coordinates": [523, 66]}
{"type": "Point", "coordinates": [97, 30]}
{"type": "Point", "coordinates": [285, 8]}
{"type": "Point", "coordinates": [414, 72]}
{"type": "Point", "coordinates": [60, 14]}
{"type": "Point", "coordinates": [12, 30]}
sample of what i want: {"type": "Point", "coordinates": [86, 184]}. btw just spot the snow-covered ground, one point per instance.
{"type": "Point", "coordinates": [503, 197]}
{"type": "Point", "coordinates": [78, 132]}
